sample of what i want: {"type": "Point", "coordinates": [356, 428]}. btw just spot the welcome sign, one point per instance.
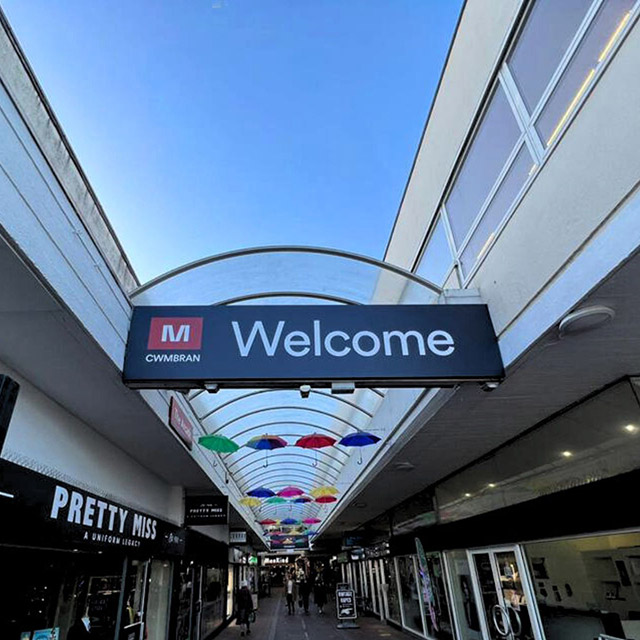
{"type": "Point", "coordinates": [286, 346]}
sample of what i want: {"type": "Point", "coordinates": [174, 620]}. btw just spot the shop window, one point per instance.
{"type": "Point", "coordinates": [437, 259]}
{"type": "Point", "coordinates": [544, 40]}
{"type": "Point", "coordinates": [434, 597]}
{"type": "Point", "coordinates": [213, 602]}
{"type": "Point", "coordinates": [393, 601]}
{"type": "Point", "coordinates": [157, 613]}
{"type": "Point", "coordinates": [588, 586]}
{"type": "Point", "coordinates": [492, 145]}
{"type": "Point", "coordinates": [464, 601]}
{"type": "Point", "coordinates": [594, 51]}
{"type": "Point", "coordinates": [409, 594]}
{"type": "Point", "coordinates": [484, 234]}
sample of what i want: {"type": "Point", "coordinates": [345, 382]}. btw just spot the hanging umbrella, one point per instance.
{"type": "Point", "coordinates": [359, 439]}
{"type": "Point", "coordinates": [266, 443]}
{"type": "Point", "coordinates": [267, 522]}
{"type": "Point", "coordinates": [324, 491]}
{"type": "Point", "coordinates": [302, 500]}
{"type": "Point", "coordinates": [250, 502]}
{"type": "Point", "coordinates": [219, 444]}
{"type": "Point", "coordinates": [326, 499]}
{"type": "Point", "coordinates": [312, 520]}
{"type": "Point", "coordinates": [289, 521]}
{"type": "Point", "coordinates": [261, 492]}
{"type": "Point", "coordinates": [290, 492]}
{"type": "Point", "coordinates": [275, 500]}
{"type": "Point", "coordinates": [315, 441]}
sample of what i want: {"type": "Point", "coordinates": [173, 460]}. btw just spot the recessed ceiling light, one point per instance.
{"type": "Point", "coordinates": [631, 428]}
{"type": "Point", "coordinates": [585, 319]}
{"type": "Point", "coordinates": [492, 485]}
{"type": "Point", "coordinates": [567, 454]}
{"type": "Point", "coordinates": [467, 495]}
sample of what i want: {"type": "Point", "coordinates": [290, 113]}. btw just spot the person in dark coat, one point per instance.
{"type": "Point", "coordinates": [320, 593]}
{"type": "Point", "coordinates": [305, 590]}
{"type": "Point", "coordinates": [245, 609]}
{"type": "Point", "coordinates": [79, 630]}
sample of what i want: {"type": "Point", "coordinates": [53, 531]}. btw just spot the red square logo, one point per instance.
{"type": "Point", "coordinates": [175, 334]}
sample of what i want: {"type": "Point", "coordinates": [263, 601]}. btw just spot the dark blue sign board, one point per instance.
{"type": "Point", "coordinates": [286, 346]}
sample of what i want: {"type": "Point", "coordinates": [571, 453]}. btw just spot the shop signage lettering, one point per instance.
{"type": "Point", "coordinates": [399, 345]}
{"type": "Point", "coordinates": [346, 604]}
{"type": "Point", "coordinates": [180, 423]}
{"type": "Point", "coordinates": [101, 516]}
{"type": "Point", "coordinates": [203, 510]}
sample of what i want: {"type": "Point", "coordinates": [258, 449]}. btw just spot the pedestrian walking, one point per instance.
{"type": "Point", "coordinates": [320, 594]}
{"type": "Point", "coordinates": [290, 587]}
{"type": "Point", "coordinates": [245, 609]}
{"type": "Point", "coordinates": [305, 590]}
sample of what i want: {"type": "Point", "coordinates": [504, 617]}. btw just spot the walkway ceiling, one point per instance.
{"type": "Point", "coordinates": [286, 276]}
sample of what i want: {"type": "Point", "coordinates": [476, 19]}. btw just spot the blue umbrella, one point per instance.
{"type": "Point", "coordinates": [288, 521]}
{"type": "Point", "coordinates": [261, 492]}
{"type": "Point", "coordinates": [359, 439]}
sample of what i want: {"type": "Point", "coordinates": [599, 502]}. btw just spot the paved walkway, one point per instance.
{"type": "Point", "coordinates": [273, 623]}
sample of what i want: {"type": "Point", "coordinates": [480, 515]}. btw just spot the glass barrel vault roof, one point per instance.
{"type": "Point", "coordinates": [291, 276]}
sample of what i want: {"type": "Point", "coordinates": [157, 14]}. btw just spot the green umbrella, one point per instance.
{"type": "Point", "coordinates": [220, 444]}
{"type": "Point", "coordinates": [275, 500]}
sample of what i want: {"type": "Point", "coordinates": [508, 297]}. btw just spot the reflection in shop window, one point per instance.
{"type": "Point", "coordinates": [393, 602]}
{"type": "Point", "coordinates": [588, 586]}
{"type": "Point", "coordinates": [436, 260]}
{"type": "Point", "coordinates": [434, 595]}
{"type": "Point", "coordinates": [594, 51]}
{"type": "Point", "coordinates": [468, 621]}
{"type": "Point", "coordinates": [409, 594]}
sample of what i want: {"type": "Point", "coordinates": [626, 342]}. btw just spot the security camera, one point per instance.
{"type": "Point", "coordinates": [305, 390]}
{"type": "Point", "coordinates": [489, 386]}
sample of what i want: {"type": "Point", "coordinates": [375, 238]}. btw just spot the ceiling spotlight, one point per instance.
{"type": "Point", "coordinates": [467, 495]}
{"type": "Point", "coordinates": [212, 387]}
{"type": "Point", "coordinates": [585, 319]}
{"type": "Point", "coordinates": [492, 485]}
{"type": "Point", "coordinates": [489, 386]}
{"type": "Point", "coordinates": [567, 454]}
{"type": "Point", "coordinates": [342, 388]}
{"type": "Point", "coordinates": [631, 428]}
{"type": "Point", "coordinates": [305, 390]}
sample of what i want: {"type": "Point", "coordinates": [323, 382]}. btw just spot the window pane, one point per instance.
{"type": "Point", "coordinates": [493, 142]}
{"type": "Point", "coordinates": [587, 586]}
{"type": "Point", "coordinates": [550, 28]}
{"type": "Point", "coordinates": [578, 76]}
{"type": "Point", "coordinates": [409, 594]}
{"type": "Point", "coordinates": [392, 591]}
{"type": "Point", "coordinates": [502, 200]}
{"type": "Point", "coordinates": [436, 260]}
{"type": "Point", "coordinates": [462, 593]}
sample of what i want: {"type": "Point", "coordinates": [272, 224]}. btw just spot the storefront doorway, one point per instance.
{"type": "Point", "coordinates": [504, 595]}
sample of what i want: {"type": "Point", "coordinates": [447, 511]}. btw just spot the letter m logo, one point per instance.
{"type": "Point", "coordinates": [175, 334]}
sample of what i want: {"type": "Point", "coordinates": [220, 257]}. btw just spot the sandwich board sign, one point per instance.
{"type": "Point", "coordinates": [346, 609]}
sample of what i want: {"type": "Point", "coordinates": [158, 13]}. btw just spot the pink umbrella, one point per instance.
{"type": "Point", "coordinates": [312, 520]}
{"type": "Point", "coordinates": [290, 492]}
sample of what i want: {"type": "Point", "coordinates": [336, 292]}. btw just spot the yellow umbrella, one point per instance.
{"type": "Point", "coordinates": [324, 491]}
{"type": "Point", "coordinates": [250, 502]}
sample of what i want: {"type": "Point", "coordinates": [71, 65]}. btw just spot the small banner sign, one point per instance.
{"type": "Point", "coordinates": [285, 346]}
{"type": "Point", "coordinates": [346, 604]}
{"type": "Point", "coordinates": [202, 510]}
{"type": "Point", "coordinates": [238, 537]}
{"type": "Point", "coordinates": [180, 423]}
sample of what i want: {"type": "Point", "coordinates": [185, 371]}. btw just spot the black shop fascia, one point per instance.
{"type": "Point", "coordinates": [39, 511]}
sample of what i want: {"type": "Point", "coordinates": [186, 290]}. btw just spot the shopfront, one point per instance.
{"type": "Point", "coordinates": [72, 560]}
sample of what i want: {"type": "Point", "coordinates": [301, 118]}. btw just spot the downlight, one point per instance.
{"type": "Point", "coordinates": [585, 319]}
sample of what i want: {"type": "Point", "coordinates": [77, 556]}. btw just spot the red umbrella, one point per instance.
{"type": "Point", "coordinates": [312, 520]}
{"type": "Point", "coordinates": [326, 499]}
{"type": "Point", "coordinates": [315, 441]}
{"type": "Point", "coordinates": [290, 492]}
{"type": "Point", "coordinates": [267, 522]}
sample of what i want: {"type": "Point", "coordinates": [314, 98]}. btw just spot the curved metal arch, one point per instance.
{"type": "Point", "coordinates": [267, 477]}
{"type": "Point", "coordinates": [255, 452]}
{"type": "Point", "coordinates": [297, 467]}
{"type": "Point", "coordinates": [299, 459]}
{"type": "Point", "coordinates": [250, 394]}
{"type": "Point", "coordinates": [298, 423]}
{"type": "Point", "coordinates": [385, 266]}
{"type": "Point", "coordinates": [300, 481]}
{"type": "Point", "coordinates": [287, 294]}
{"type": "Point", "coordinates": [280, 408]}
{"type": "Point", "coordinates": [274, 477]}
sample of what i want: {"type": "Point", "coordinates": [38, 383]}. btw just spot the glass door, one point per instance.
{"type": "Point", "coordinates": [508, 610]}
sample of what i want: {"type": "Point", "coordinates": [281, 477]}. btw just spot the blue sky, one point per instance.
{"type": "Point", "coordinates": [211, 125]}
